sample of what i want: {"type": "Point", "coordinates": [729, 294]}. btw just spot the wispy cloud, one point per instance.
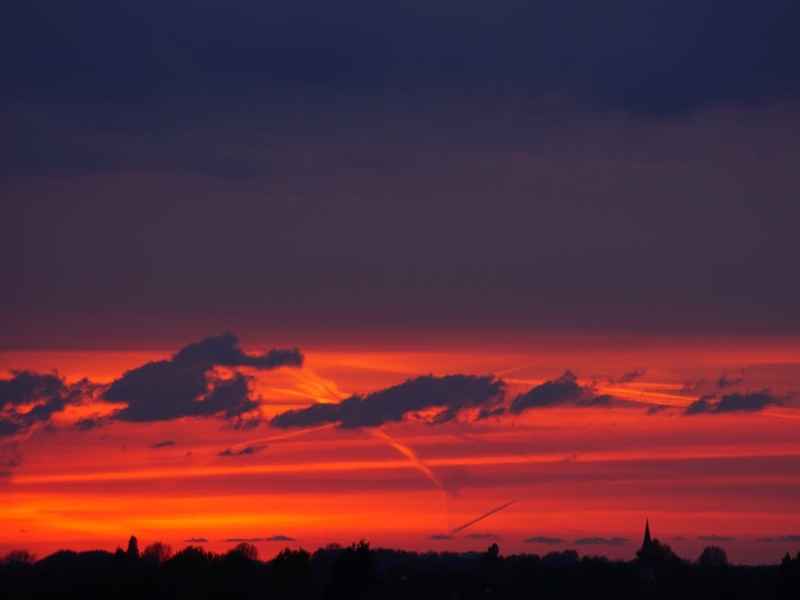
{"type": "Point", "coordinates": [246, 451]}
{"type": "Point", "coordinates": [791, 538]}
{"type": "Point", "coordinates": [716, 538]}
{"type": "Point", "coordinates": [601, 541]}
{"type": "Point", "coordinates": [629, 376]}
{"type": "Point", "coordinates": [163, 444]}
{"type": "Point", "coordinates": [255, 540]}
{"type": "Point", "coordinates": [482, 536]}
{"type": "Point", "coordinates": [543, 539]}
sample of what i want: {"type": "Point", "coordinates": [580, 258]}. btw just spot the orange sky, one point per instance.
{"type": "Point", "coordinates": [574, 472]}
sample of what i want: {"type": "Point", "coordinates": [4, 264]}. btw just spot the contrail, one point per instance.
{"type": "Point", "coordinates": [284, 436]}
{"type": "Point", "coordinates": [410, 455]}
{"type": "Point", "coordinates": [482, 517]}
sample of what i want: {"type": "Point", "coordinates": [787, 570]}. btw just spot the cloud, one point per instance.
{"type": "Point", "coordinates": [543, 539]}
{"type": "Point", "coordinates": [601, 541]}
{"type": "Point", "coordinates": [482, 536]}
{"type": "Point", "coordinates": [246, 451]}
{"type": "Point", "coordinates": [559, 392]}
{"type": "Point", "coordinates": [700, 406]}
{"type": "Point", "coordinates": [10, 459]}
{"type": "Point", "coordinates": [26, 386]}
{"type": "Point", "coordinates": [452, 394]}
{"type": "Point", "coordinates": [731, 403]}
{"type": "Point", "coordinates": [716, 538]}
{"type": "Point", "coordinates": [253, 540]}
{"type": "Point", "coordinates": [8, 427]}
{"type": "Point", "coordinates": [441, 536]}
{"type": "Point", "coordinates": [358, 50]}
{"type": "Point", "coordinates": [28, 398]}
{"type": "Point", "coordinates": [164, 444]}
{"type": "Point", "coordinates": [488, 412]}
{"type": "Point", "coordinates": [185, 386]}
{"type": "Point", "coordinates": [10, 463]}
{"type": "Point", "coordinates": [630, 376]}
{"type": "Point", "coordinates": [89, 423]}
{"type": "Point", "coordinates": [196, 540]}
{"type": "Point", "coordinates": [791, 538]}
{"type": "Point", "coordinates": [724, 381]}
{"type": "Point", "coordinates": [230, 397]}
{"type": "Point", "coordinates": [692, 388]}
{"type": "Point", "coordinates": [710, 387]}
{"type": "Point", "coordinates": [223, 350]}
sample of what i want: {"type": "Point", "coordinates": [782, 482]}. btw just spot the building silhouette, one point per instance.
{"type": "Point", "coordinates": [653, 551]}
{"type": "Point", "coordinates": [647, 542]}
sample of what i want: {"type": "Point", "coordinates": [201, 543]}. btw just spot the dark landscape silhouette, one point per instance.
{"type": "Point", "coordinates": [359, 571]}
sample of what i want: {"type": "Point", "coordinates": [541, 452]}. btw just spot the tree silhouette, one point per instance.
{"type": "Point", "coordinates": [18, 558]}
{"type": "Point", "coordinates": [157, 553]}
{"type": "Point", "coordinates": [657, 553]}
{"type": "Point", "coordinates": [133, 548]}
{"type": "Point", "coordinates": [245, 551]}
{"type": "Point", "coordinates": [713, 556]}
{"type": "Point", "coordinates": [353, 572]}
{"type": "Point", "coordinates": [492, 553]}
{"type": "Point", "coordinates": [359, 571]}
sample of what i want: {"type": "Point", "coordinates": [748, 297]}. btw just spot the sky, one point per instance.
{"type": "Point", "coordinates": [331, 271]}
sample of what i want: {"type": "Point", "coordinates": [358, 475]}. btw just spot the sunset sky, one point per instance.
{"type": "Point", "coordinates": [318, 272]}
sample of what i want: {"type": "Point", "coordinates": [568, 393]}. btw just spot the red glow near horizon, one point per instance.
{"type": "Point", "coordinates": [575, 472]}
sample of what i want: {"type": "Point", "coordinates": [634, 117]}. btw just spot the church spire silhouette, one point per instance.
{"type": "Point", "coordinates": [647, 542]}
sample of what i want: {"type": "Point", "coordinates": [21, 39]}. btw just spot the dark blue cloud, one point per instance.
{"type": "Point", "coordinates": [646, 55]}
{"type": "Point", "coordinates": [163, 444]}
{"type": "Point", "coordinates": [26, 386]}
{"type": "Point", "coordinates": [564, 390]}
{"type": "Point", "coordinates": [482, 536]}
{"type": "Point", "coordinates": [791, 538]}
{"type": "Point", "coordinates": [725, 381]}
{"type": "Point", "coordinates": [733, 403]}
{"type": "Point", "coordinates": [253, 540]}
{"type": "Point", "coordinates": [224, 350]}
{"type": "Point", "coordinates": [452, 394]}
{"type": "Point", "coordinates": [629, 376]}
{"type": "Point", "coordinates": [601, 541]}
{"type": "Point", "coordinates": [543, 539]}
{"type": "Point", "coordinates": [89, 423]}
{"type": "Point", "coordinates": [246, 451]}
{"type": "Point", "coordinates": [559, 392]}
{"type": "Point", "coordinates": [184, 386]}
{"type": "Point", "coordinates": [289, 148]}
{"type": "Point", "coordinates": [279, 538]}
{"type": "Point", "coordinates": [46, 394]}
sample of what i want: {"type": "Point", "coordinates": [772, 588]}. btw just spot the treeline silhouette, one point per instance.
{"type": "Point", "coordinates": [359, 571]}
